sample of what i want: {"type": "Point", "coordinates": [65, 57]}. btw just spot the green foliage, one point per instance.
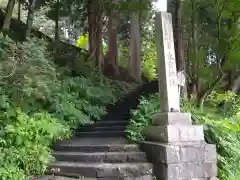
{"type": "Point", "coordinates": [141, 117]}
{"type": "Point", "coordinates": [216, 50]}
{"type": "Point", "coordinates": [222, 127]}
{"type": "Point", "coordinates": [26, 74]}
{"type": "Point", "coordinates": [25, 140]}
{"type": "Point", "coordinates": [148, 44]}
{"type": "Point", "coordinates": [11, 172]}
{"type": "Point", "coordinates": [149, 60]}
{"type": "Point", "coordinates": [82, 42]}
{"type": "Point", "coordinates": [40, 103]}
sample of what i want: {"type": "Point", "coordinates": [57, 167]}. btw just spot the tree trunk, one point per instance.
{"type": "Point", "coordinates": [8, 15]}
{"type": "Point", "coordinates": [112, 45]}
{"type": "Point", "coordinates": [195, 67]}
{"type": "Point", "coordinates": [57, 33]}
{"type": "Point", "coordinates": [135, 47]}
{"type": "Point", "coordinates": [90, 27]}
{"type": "Point", "coordinates": [95, 12]}
{"type": "Point", "coordinates": [187, 70]}
{"type": "Point", "coordinates": [19, 10]}
{"type": "Point", "coordinates": [228, 81]}
{"type": "Point", "coordinates": [178, 39]}
{"type": "Point", "coordinates": [98, 55]}
{"type": "Point", "coordinates": [178, 42]}
{"type": "Point", "coordinates": [30, 18]}
{"type": "Point", "coordinates": [236, 85]}
{"type": "Point", "coordinates": [202, 95]}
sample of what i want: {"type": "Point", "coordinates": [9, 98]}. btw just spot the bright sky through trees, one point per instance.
{"type": "Point", "coordinates": [160, 5]}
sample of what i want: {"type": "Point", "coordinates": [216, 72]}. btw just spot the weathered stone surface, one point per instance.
{"type": "Point", "coordinates": [146, 177]}
{"type": "Point", "coordinates": [103, 134]}
{"type": "Point", "coordinates": [103, 170]}
{"type": "Point", "coordinates": [185, 171]}
{"type": "Point", "coordinates": [126, 147]}
{"type": "Point", "coordinates": [174, 133]}
{"type": "Point", "coordinates": [169, 95]}
{"type": "Point", "coordinates": [180, 152]}
{"type": "Point", "coordinates": [210, 178]}
{"type": "Point", "coordinates": [101, 158]}
{"type": "Point", "coordinates": [112, 158]}
{"type": "Point", "coordinates": [107, 170]}
{"type": "Point", "coordinates": [73, 147]}
{"type": "Point", "coordinates": [171, 118]}
{"type": "Point", "coordinates": [106, 157]}
{"type": "Point", "coordinates": [62, 178]}
{"type": "Point", "coordinates": [135, 170]}
{"type": "Point", "coordinates": [137, 157]}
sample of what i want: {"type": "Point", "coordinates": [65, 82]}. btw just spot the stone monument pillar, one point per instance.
{"type": "Point", "coordinates": [175, 147]}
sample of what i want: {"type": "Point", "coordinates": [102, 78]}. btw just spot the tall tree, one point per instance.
{"type": "Point", "coordinates": [95, 20]}
{"type": "Point", "coordinates": [30, 17]}
{"type": "Point", "coordinates": [112, 58]}
{"type": "Point", "coordinates": [195, 77]}
{"type": "Point", "coordinates": [212, 49]}
{"type": "Point", "coordinates": [90, 26]}
{"type": "Point", "coordinates": [176, 10]}
{"type": "Point", "coordinates": [8, 15]}
{"type": "Point", "coordinates": [57, 14]}
{"type": "Point", "coordinates": [135, 49]}
{"type": "Point", "coordinates": [19, 9]}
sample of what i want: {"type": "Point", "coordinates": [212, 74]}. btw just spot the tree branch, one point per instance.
{"type": "Point", "coordinates": [219, 18]}
{"type": "Point", "coordinates": [221, 76]}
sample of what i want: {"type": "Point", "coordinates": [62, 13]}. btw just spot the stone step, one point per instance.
{"type": "Point", "coordinates": [61, 178]}
{"type": "Point", "coordinates": [70, 147]}
{"type": "Point", "coordinates": [112, 123]}
{"type": "Point", "coordinates": [104, 157]}
{"type": "Point", "coordinates": [102, 128]}
{"type": "Point", "coordinates": [100, 134]}
{"type": "Point", "coordinates": [102, 170]}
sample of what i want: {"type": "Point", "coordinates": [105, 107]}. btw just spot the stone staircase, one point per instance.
{"type": "Point", "coordinates": [101, 150]}
{"type": "Point", "coordinates": [103, 129]}
{"type": "Point", "coordinates": [101, 158]}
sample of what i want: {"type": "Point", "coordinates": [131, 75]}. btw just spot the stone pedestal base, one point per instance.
{"type": "Point", "coordinates": [212, 178]}
{"type": "Point", "coordinates": [178, 150]}
{"type": "Point", "coordinates": [174, 133]}
{"type": "Point", "coordinates": [182, 161]}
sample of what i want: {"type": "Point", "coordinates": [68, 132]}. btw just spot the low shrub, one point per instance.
{"type": "Point", "coordinates": [25, 140]}
{"type": "Point", "coordinates": [40, 103]}
{"type": "Point", "coordinates": [141, 117]}
{"type": "Point", "coordinates": [222, 127]}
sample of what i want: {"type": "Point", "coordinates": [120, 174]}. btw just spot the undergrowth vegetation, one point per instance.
{"type": "Point", "coordinates": [41, 103]}
{"type": "Point", "coordinates": [222, 127]}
